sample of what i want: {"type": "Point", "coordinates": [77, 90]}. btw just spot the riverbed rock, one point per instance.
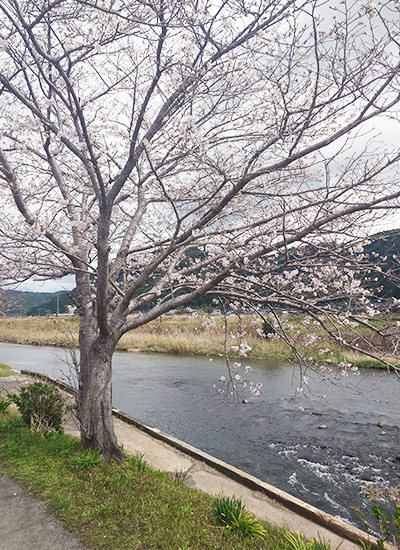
{"type": "Point", "coordinates": [381, 424]}
{"type": "Point", "coordinates": [383, 433]}
{"type": "Point", "coordinates": [322, 427]}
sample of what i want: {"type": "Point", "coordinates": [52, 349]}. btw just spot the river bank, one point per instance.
{"type": "Point", "coordinates": [276, 436]}
{"type": "Point", "coordinates": [167, 454]}
{"type": "Point", "coordinates": [191, 335]}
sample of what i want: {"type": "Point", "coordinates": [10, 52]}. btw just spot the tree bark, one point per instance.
{"type": "Point", "coordinates": [95, 398]}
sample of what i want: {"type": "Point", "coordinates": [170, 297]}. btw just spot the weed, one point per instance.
{"type": "Point", "coordinates": [298, 542]}
{"type": "Point", "coordinates": [138, 462]}
{"type": "Point", "coordinates": [5, 370]}
{"type": "Point", "coordinates": [4, 404]}
{"type": "Point", "coordinates": [186, 509]}
{"type": "Point", "coordinates": [383, 525]}
{"type": "Point", "coordinates": [181, 477]}
{"type": "Point", "coordinates": [85, 460]}
{"type": "Point", "coordinates": [102, 510]}
{"type": "Point", "coordinates": [230, 513]}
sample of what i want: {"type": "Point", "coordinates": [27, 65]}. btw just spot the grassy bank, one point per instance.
{"type": "Point", "coordinates": [5, 370]}
{"type": "Point", "coordinates": [116, 506]}
{"type": "Point", "coordinates": [184, 334]}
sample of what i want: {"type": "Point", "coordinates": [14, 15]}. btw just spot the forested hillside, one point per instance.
{"type": "Point", "coordinates": [382, 252]}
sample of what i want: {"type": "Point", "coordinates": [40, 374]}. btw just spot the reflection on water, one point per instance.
{"type": "Point", "coordinates": [270, 437]}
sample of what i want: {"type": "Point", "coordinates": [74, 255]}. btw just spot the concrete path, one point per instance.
{"type": "Point", "coordinates": [203, 474]}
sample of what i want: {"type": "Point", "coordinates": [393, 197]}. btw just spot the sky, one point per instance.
{"type": "Point", "coordinates": [57, 285]}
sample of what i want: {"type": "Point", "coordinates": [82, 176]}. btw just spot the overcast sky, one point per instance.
{"type": "Point", "coordinates": [66, 283]}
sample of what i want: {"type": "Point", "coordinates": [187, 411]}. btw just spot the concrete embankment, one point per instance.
{"type": "Point", "coordinates": [216, 477]}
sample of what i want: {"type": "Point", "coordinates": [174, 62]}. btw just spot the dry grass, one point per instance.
{"type": "Point", "coordinates": [40, 331]}
{"type": "Point", "coordinates": [185, 334]}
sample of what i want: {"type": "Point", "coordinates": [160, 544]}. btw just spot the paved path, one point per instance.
{"type": "Point", "coordinates": [23, 524]}
{"type": "Point", "coordinates": [27, 524]}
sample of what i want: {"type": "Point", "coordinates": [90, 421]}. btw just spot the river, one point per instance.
{"type": "Point", "coordinates": [325, 446]}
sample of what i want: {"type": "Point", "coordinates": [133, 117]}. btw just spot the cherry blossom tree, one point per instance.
{"type": "Point", "coordinates": [165, 150]}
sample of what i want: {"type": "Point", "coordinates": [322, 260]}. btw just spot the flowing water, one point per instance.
{"type": "Point", "coordinates": [324, 446]}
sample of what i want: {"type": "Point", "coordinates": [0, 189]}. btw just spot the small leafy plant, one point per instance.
{"type": "Point", "coordinates": [230, 513]}
{"type": "Point", "coordinates": [4, 404]}
{"type": "Point", "coordinates": [383, 525]}
{"type": "Point", "coordinates": [138, 462]}
{"type": "Point", "coordinates": [181, 477]}
{"type": "Point", "coordinates": [298, 542]}
{"type": "Point", "coordinates": [40, 405]}
{"type": "Point", "coordinates": [85, 460]}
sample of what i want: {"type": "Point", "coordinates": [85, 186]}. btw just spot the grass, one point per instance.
{"type": "Point", "coordinates": [117, 506]}
{"type": "Point", "coordinates": [230, 513]}
{"type": "Point", "coordinates": [199, 335]}
{"type": "Point", "coordinates": [5, 370]}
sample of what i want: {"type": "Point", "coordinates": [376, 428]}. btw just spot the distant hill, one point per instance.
{"type": "Point", "coordinates": [14, 303]}
{"type": "Point", "coordinates": [58, 303]}
{"type": "Point", "coordinates": [383, 251]}
{"type": "Point", "coordinates": [19, 303]}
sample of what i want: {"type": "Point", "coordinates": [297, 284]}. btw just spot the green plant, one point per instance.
{"type": "Point", "coordinates": [138, 462]}
{"type": "Point", "coordinates": [40, 405]}
{"type": "Point", "coordinates": [5, 370]}
{"type": "Point", "coordinates": [268, 327]}
{"type": "Point", "coordinates": [383, 525]}
{"type": "Point", "coordinates": [298, 542]}
{"type": "Point", "coordinates": [105, 510]}
{"type": "Point", "coordinates": [224, 508]}
{"type": "Point", "coordinates": [102, 510]}
{"type": "Point", "coordinates": [85, 459]}
{"type": "Point", "coordinates": [4, 404]}
{"type": "Point", "coordinates": [181, 477]}
{"type": "Point", "coordinates": [230, 513]}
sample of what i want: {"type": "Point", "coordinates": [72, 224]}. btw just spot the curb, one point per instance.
{"type": "Point", "coordinates": [335, 525]}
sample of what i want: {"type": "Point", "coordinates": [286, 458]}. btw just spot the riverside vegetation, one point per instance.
{"type": "Point", "coordinates": [118, 505]}
{"type": "Point", "coordinates": [114, 506]}
{"type": "Point", "coordinates": [197, 334]}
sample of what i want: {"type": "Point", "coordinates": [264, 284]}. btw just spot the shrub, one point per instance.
{"type": "Point", "coordinates": [41, 406]}
{"type": "Point", "coordinates": [268, 327]}
{"type": "Point", "coordinates": [230, 513]}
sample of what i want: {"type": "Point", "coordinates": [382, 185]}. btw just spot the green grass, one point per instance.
{"type": "Point", "coordinates": [5, 370]}
{"type": "Point", "coordinates": [231, 513]}
{"type": "Point", "coordinates": [117, 506]}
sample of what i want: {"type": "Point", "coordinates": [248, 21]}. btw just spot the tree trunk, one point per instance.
{"type": "Point", "coordinates": [95, 398]}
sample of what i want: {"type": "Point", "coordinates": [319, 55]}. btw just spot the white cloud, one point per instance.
{"type": "Point", "coordinates": [65, 283]}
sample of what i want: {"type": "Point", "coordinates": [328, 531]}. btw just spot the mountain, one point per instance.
{"type": "Point", "coordinates": [14, 303]}
{"type": "Point", "coordinates": [58, 303]}
{"type": "Point", "coordinates": [382, 251]}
